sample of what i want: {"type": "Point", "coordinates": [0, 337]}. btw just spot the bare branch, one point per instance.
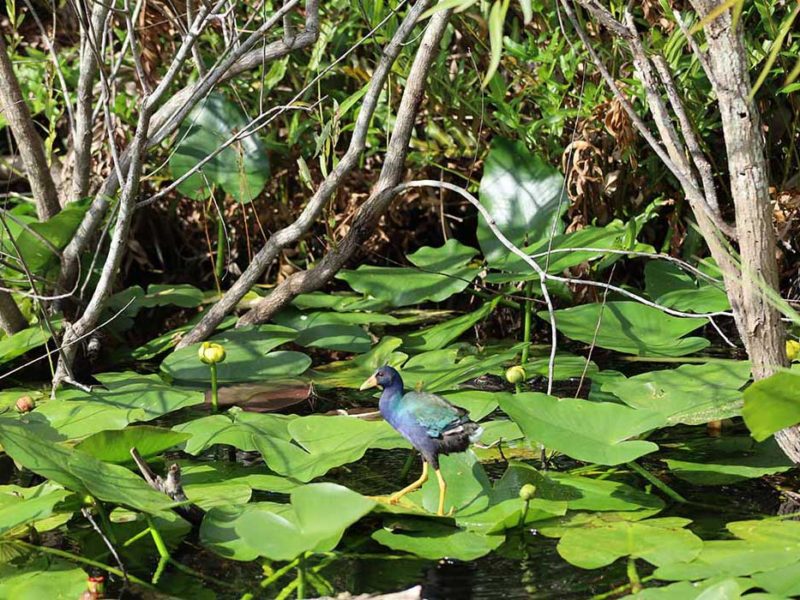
{"type": "Point", "coordinates": [369, 213]}
{"type": "Point", "coordinates": [324, 192]}
{"type": "Point", "coordinates": [31, 149]}
{"type": "Point", "coordinates": [11, 318]}
{"type": "Point", "coordinates": [91, 32]}
{"type": "Point", "coordinates": [169, 116]}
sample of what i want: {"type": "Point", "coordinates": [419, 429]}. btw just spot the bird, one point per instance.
{"type": "Point", "coordinates": [429, 422]}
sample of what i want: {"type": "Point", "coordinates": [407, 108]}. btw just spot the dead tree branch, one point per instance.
{"type": "Point", "coordinates": [11, 318]}
{"type": "Point", "coordinates": [368, 215]}
{"type": "Point", "coordinates": [168, 117]}
{"type": "Point", "coordinates": [324, 192]}
{"type": "Point", "coordinates": [31, 149]}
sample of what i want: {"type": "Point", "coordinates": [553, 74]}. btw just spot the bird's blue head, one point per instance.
{"type": "Point", "coordinates": [385, 377]}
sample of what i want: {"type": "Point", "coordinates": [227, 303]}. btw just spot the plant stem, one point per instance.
{"type": "Point", "coordinates": [279, 573]}
{"type": "Point", "coordinates": [301, 579]}
{"type": "Point", "coordinates": [214, 396]}
{"type": "Point", "coordinates": [633, 576]}
{"type": "Point", "coordinates": [220, 264]}
{"type": "Point", "coordinates": [86, 561]}
{"type": "Point", "coordinates": [657, 482]}
{"type": "Point", "coordinates": [526, 331]}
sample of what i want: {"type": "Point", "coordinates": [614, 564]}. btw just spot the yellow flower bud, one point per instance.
{"type": "Point", "coordinates": [516, 375]}
{"type": "Point", "coordinates": [211, 353]}
{"type": "Point", "coordinates": [792, 349]}
{"type": "Point", "coordinates": [527, 492]}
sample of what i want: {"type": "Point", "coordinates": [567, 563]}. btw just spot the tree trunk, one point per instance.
{"type": "Point", "coordinates": [11, 319]}
{"type": "Point", "coordinates": [758, 321]}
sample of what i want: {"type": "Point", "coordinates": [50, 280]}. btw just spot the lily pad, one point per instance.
{"type": "Point", "coordinates": [44, 577]}
{"type": "Point", "coordinates": [690, 394]}
{"type": "Point", "coordinates": [673, 287]}
{"type": "Point", "coordinates": [315, 521]}
{"type": "Point", "coordinates": [236, 428]}
{"type": "Point", "coordinates": [596, 432]}
{"type": "Point", "coordinates": [23, 341]}
{"type": "Point", "coordinates": [438, 336]}
{"type": "Point", "coordinates": [630, 327]}
{"type": "Point", "coordinates": [78, 471]}
{"type": "Point", "coordinates": [660, 542]}
{"type": "Point", "coordinates": [25, 506]}
{"type": "Point", "coordinates": [433, 540]}
{"type": "Point", "coordinates": [114, 446]}
{"type": "Point", "coordinates": [129, 397]}
{"type": "Point", "coordinates": [352, 373]}
{"type": "Point", "coordinates": [440, 273]}
{"type": "Point", "coordinates": [248, 357]}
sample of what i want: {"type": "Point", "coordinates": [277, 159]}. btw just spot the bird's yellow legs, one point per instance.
{"type": "Point", "coordinates": [395, 498]}
{"type": "Point", "coordinates": [442, 492]}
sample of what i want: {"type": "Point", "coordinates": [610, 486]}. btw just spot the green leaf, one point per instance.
{"type": "Point", "coordinates": [673, 287]}
{"type": "Point", "coordinates": [236, 428]}
{"type": "Point", "coordinates": [660, 542]}
{"type": "Point", "coordinates": [114, 446]}
{"type": "Point", "coordinates": [438, 336]}
{"type": "Point", "coordinates": [352, 373]}
{"type": "Point", "coordinates": [523, 194]}
{"type": "Point", "coordinates": [596, 432]}
{"type": "Point", "coordinates": [440, 273]}
{"type": "Point", "coordinates": [45, 577]}
{"type": "Point", "coordinates": [183, 295]}
{"type": "Point", "coordinates": [23, 341]}
{"type": "Point", "coordinates": [248, 357]}
{"type": "Point", "coordinates": [497, 16]}
{"type": "Point", "coordinates": [322, 443]}
{"type": "Point", "coordinates": [314, 522]}
{"type": "Point", "coordinates": [171, 338]}
{"type": "Point", "coordinates": [241, 170]}
{"type": "Point", "coordinates": [772, 404]}
{"type": "Point", "coordinates": [25, 506]}
{"type": "Point", "coordinates": [630, 327]}
{"type": "Point", "coordinates": [690, 394]}
{"type": "Point", "coordinates": [77, 471]}
{"type": "Point", "coordinates": [130, 397]}
{"type": "Point", "coordinates": [726, 460]}
{"type": "Point", "coordinates": [432, 540]}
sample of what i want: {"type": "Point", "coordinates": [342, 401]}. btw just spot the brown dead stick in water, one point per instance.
{"type": "Point", "coordinates": [171, 486]}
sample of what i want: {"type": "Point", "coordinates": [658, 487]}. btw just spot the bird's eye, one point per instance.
{"type": "Point", "coordinates": [379, 374]}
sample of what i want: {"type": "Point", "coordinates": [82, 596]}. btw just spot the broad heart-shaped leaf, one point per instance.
{"type": "Point", "coordinates": [181, 294]}
{"type": "Point", "coordinates": [44, 577]}
{"type": "Point", "coordinates": [322, 443]}
{"type": "Point", "coordinates": [170, 339]}
{"type": "Point", "coordinates": [772, 404]}
{"type": "Point", "coordinates": [236, 427]}
{"type": "Point", "coordinates": [248, 357]}
{"type": "Point", "coordinates": [433, 540]}
{"type": "Point", "coordinates": [671, 286]}
{"type": "Point", "coordinates": [315, 521]}
{"type": "Point", "coordinates": [438, 336]}
{"type": "Point", "coordinates": [114, 446]}
{"type": "Point", "coordinates": [597, 432]}
{"type": "Point", "coordinates": [690, 394]}
{"type": "Point", "coordinates": [661, 541]}
{"type": "Point", "coordinates": [78, 471]}
{"type": "Point", "coordinates": [241, 169]}
{"type": "Point", "coordinates": [614, 236]}
{"type": "Point", "coordinates": [130, 397]}
{"type": "Point", "coordinates": [26, 506]}
{"type": "Point", "coordinates": [715, 588]}
{"type": "Point", "coordinates": [523, 194]}
{"type": "Point", "coordinates": [725, 460]}
{"type": "Point", "coordinates": [579, 493]}
{"type": "Point", "coordinates": [440, 273]}
{"type": "Point", "coordinates": [630, 327]}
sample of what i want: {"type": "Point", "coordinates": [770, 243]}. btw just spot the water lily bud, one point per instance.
{"type": "Point", "coordinates": [793, 349]}
{"type": "Point", "coordinates": [527, 492]}
{"type": "Point", "coordinates": [211, 353]}
{"type": "Point", "coordinates": [25, 404]}
{"type": "Point", "coordinates": [515, 375]}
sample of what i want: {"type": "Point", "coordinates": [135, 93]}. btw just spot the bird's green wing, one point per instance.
{"type": "Point", "coordinates": [432, 412]}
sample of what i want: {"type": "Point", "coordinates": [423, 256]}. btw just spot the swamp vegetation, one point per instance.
{"type": "Point", "coordinates": [574, 220]}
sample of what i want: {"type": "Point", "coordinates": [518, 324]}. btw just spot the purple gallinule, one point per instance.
{"type": "Point", "coordinates": [429, 422]}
